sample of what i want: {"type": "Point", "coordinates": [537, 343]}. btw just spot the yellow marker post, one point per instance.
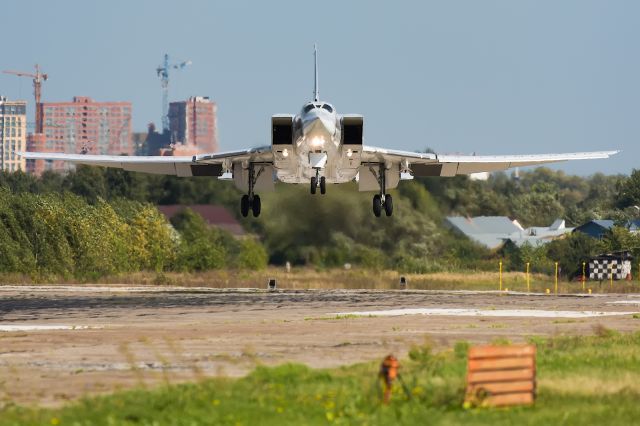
{"type": "Point", "coordinates": [528, 280]}
{"type": "Point", "coordinates": [556, 287]}
{"type": "Point", "coordinates": [611, 276]}
{"type": "Point", "coordinates": [500, 273]}
{"type": "Point", "coordinates": [584, 265]}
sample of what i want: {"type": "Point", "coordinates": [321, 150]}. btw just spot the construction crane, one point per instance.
{"type": "Point", "coordinates": [38, 78]}
{"type": "Point", "coordinates": [163, 73]}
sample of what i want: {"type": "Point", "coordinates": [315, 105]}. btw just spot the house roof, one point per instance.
{"type": "Point", "coordinates": [605, 223]}
{"type": "Point", "coordinates": [588, 227]}
{"type": "Point", "coordinates": [494, 231]}
{"type": "Point", "coordinates": [213, 215]}
{"type": "Point", "coordinates": [483, 224]}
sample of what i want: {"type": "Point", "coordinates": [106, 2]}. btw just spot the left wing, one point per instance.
{"type": "Point", "coordinates": [196, 165]}
{"type": "Point", "coordinates": [450, 165]}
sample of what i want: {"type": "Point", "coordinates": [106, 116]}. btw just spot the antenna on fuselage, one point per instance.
{"type": "Point", "coordinates": [316, 89]}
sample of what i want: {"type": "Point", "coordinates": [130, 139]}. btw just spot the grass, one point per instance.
{"type": "Point", "coordinates": [581, 380]}
{"type": "Point", "coordinates": [308, 278]}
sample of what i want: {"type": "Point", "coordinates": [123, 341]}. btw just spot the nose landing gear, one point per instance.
{"type": "Point", "coordinates": [322, 183]}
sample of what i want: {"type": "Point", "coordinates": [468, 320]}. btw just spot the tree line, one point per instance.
{"type": "Point", "coordinates": [95, 221]}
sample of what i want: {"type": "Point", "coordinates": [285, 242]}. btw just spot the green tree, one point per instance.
{"type": "Point", "coordinates": [629, 191]}
{"type": "Point", "coordinates": [572, 250]}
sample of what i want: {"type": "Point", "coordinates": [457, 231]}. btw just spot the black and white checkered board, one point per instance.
{"type": "Point", "coordinates": [601, 269]}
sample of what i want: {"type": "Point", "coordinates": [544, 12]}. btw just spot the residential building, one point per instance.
{"type": "Point", "coordinates": [596, 228]}
{"type": "Point", "coordinates": [213, 215]}
{"type": "Point", "coordinates": [538, 235]}
{"type": "Point", "coordinates": [83, 126]}
{"type": "Point", "coordinates": [193, 124]}
{"type": "Point", "coordinates": [489, 231]}
{"type": "Point", "coordinates": [494, 231]}
{"type": "Point", "coordinates": [13, 134]}
{"type": "Point", "coordinates": [600, 227]}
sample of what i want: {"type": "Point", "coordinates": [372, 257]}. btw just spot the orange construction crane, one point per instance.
{"type": "Point", "coordinates": [38, 78]}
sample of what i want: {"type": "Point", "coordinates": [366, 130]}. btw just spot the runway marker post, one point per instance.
{"type": "Point", "coordinates": [272, 285]}
{"type": "Point", "coordinates": [528, 280]}
{"type": "Point", "coordinates": [583, 275]}
{"type": "Point", "coordinates": [500, 274]}
{"type": "Point", "coordinates": [611, 276]}
{"type": "Point", "coordinates": [556, 276]}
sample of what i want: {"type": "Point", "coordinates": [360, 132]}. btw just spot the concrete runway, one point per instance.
{"type": "Point", "coordinates": [62, 342]}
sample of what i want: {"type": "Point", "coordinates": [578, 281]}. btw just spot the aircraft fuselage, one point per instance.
{"type": "Point", "coordinates": [317, 148]}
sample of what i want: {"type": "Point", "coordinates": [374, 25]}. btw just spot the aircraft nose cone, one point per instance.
{"type": "Point", "coordinates": [319, 124]}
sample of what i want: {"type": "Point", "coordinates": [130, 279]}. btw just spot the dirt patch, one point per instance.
{"type": "Point", "coordinates": [113, 338]}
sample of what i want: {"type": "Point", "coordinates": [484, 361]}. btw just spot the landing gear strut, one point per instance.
{"type": "Point", "coordinates": [251, 201]}
{"type": "Point", "coordinates": [381, 200]}
{"type": "Point", "coordinates": [322, 183]}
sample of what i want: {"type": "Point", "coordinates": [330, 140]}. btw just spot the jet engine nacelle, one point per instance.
{"type": "Point", "coordinates": [352, 129]}
{"type": "Point", "coordinates": [282, 129]}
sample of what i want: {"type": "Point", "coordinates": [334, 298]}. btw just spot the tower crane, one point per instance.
{"type": "Point", "coordinates": [38, 78]}
{"type": "Point", "coordinates": [163, 73]}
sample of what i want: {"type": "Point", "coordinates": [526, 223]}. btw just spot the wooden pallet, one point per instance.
{"type": "Point", "coordinates": [501, 375]}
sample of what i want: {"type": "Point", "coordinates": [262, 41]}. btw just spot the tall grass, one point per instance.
{"type": "Point", "coordinates": [366, 279]}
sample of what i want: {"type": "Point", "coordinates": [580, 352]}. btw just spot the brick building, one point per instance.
{"type": "Point", "coordinates": [193, 124]}
{"type": "Point", "coordinates": [13, 134]}
{"type": "Point", "coordinates": [82, 126]}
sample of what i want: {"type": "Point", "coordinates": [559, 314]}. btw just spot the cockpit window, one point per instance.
{"type": "Point", "coordinates": [308, 107]}
{"type": "Point", "coordinates": [327, 107]}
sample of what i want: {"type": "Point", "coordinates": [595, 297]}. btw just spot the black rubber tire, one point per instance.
{"type": "Point", "coordinates": [388, 205]}
{"type": "Point", "coordinates": [314, 184]}
{"type": "Point", "coordinates": [377, 205]}
{"type": "Point", "coordinates": [256, 206]}
{"type": "Point", "coordinates": [323, 185]}
{"type": "Point", "coordinates": [244, 205]}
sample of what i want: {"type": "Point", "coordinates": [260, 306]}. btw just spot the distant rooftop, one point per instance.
{"type": "Point", "coordinates": [494, 231]}
{"type": "Point", "coordinates": [217, 216]}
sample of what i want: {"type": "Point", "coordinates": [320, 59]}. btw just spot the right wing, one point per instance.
{"type": "Point", "coordinates": [197, 165]}
{"type": "Point", "coordinates": [428, 164]}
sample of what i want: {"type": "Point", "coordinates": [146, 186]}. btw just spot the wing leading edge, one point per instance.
{"type": "Point", "coordinates": [428, 164]}
{"type": "Point", "coordinates": [196, 165]}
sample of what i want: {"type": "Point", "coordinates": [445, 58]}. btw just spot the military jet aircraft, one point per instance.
{"type": "Point", "coordinates": [316, 147]}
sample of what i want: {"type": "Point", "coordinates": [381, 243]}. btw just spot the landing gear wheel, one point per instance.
{"type": "Point", "coordinates": [255, 206]}
{"type": "Point", "coordinates": [314, 184]}
{"type": "Point", "coordinates": [377, 205]}
{"type": "Point", "coordinates": [323, 185]}
{"type": "Point", "coordinates": [244, 205]}
{"type": "Point", "coordinates": [388, 205]}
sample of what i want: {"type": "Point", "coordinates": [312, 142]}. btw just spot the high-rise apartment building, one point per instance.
{"type": "Point", "coordinates": [193, 124]}
{"type": "Point", "coordinates": [83, 126]}
{"type": "Point", "coordinates": [13, 134]}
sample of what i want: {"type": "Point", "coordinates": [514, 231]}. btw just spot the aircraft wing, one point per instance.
{"type": "Point", "coordinates": [428, 164]}
{"type": "Point", "coordinates": [196, 165]}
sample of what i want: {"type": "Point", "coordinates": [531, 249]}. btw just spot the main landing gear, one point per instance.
{"type": "Point", "coordinates": [251, 201]}
{"type": "Point", "coordinates": [247, 203]}
{"type": "Point", "coordinates": [381, 200]}
{"type": "Point", "coordinates": [314, 183]}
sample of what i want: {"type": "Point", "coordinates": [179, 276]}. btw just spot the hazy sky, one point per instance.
{"type": "Point", "coordinates": [491, 77]}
